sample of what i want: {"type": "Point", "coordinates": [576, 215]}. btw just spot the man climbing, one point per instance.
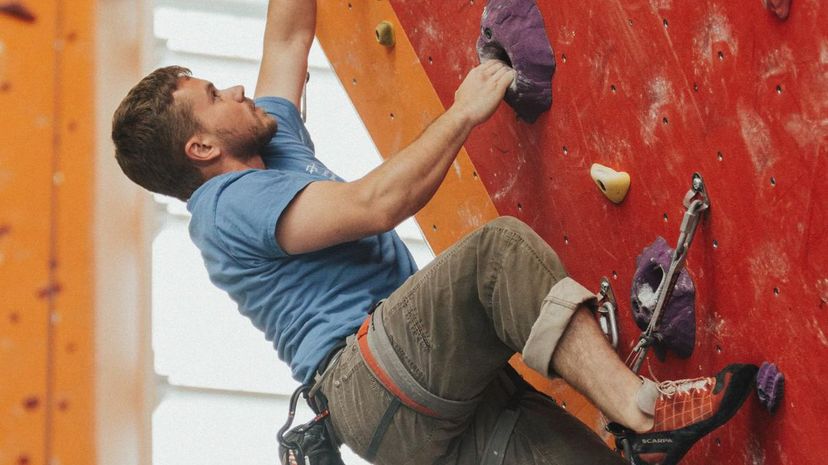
{"type": "Point", "coordinates": [422, 378]}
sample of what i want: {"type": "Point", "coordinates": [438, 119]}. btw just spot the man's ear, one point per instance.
{"type": "Point", "coordinates": [201, 148]}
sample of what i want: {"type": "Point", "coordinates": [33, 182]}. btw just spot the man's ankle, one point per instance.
{"type": "Point", "coordinates": [646, 396]}
{"type": "Point", "coordinates": [636, 420]}
{"type": "Point", "coordinates": [644, 424]}
{"type": "Point", "coordinates": [645, 399]}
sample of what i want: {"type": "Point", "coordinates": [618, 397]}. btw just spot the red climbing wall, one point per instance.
{"type": "Point", "coordinates": [659, 89]}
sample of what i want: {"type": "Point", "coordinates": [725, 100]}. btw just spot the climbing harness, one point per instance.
{"type": "Point", "coordinates": [696, 201]}
{"type": "Point", "coordinates": [495, 451]}
{"type": "Point", "coordinates": [385, 365]}
{"type": "Point", "coordinates": [313, 443]}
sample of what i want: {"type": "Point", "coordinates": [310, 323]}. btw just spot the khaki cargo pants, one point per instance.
{"type": "Point", "coordinates": [454, 325]}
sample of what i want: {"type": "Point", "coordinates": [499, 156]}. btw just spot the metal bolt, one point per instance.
{"type": "Point", "coordinates": [697, 183]}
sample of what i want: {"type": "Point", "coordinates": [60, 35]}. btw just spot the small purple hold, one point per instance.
{"type": "Point", "coordinates": [18, 10]}
{"type": "Point", "coordinates": [770, 385]}
{"type": "Point", "coordinates": [513, 31]}
{"type": "Point", "coordinates": [677, 328]}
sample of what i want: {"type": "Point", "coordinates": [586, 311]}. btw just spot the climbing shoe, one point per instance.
{"type": "Point", "coordinates": [686, 410]}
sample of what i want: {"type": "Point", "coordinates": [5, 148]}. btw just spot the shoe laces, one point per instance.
{"type": "Point", "coordinates": [683, 386]}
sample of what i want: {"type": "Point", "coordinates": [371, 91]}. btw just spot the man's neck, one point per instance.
{"type": "Point", "coordinates": [231, 164]}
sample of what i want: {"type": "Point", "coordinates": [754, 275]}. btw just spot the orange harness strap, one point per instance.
{"type": "Point", "coordinates": [382, 376]}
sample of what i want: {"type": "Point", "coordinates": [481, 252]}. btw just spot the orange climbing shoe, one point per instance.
{"type": "Point", "coordinates": [685, 411]}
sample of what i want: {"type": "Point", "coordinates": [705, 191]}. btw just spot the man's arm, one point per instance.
{"type": "Point", "coordinates": [330, 213]}
{"type": "Point", "coordinates": [289, 32]}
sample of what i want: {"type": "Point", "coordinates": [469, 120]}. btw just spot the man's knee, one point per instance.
{"type": "Point", "coordinates": [557, 310]}
{"type": "Point", "coordinates": [507, 222]}
{"type": "Point", "coordinates": [510, 224]}
{"type": "Point", "coordinates": [512, 230]}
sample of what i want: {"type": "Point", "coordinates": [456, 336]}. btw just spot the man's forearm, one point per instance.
{"type": "Point", "coordinates": [404, 183]}
{"type": "Point", "coordinates": [290, 20]}
{"type": "Point", "coordinates": [289, 33]}
{"type": "Point", "coordinates": [330, 213]}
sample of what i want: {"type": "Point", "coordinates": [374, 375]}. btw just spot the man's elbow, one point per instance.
{"type": "Point", "coordinates": [380, 218]}
{"type": "Point", "coordinates": [381, 211]}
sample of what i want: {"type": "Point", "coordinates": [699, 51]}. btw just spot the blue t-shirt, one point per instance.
{"type": "Point", "coordinates": [304, 303]}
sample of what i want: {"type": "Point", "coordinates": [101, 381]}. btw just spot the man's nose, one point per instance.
{"type": "Point", "coordinates": [238, 93]}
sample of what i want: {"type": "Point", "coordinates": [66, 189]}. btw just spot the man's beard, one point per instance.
{"type": "Point", "coordinates": [246, 145]}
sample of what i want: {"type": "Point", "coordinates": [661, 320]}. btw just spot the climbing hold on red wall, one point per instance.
{"type": "Point", "coordinates": [770, 385]}
{"type": "Point", "coordinates": [17, 10]}
{"type": "Point", "coordinates": [385, 34]}
{"type": "Point", "coordinates": [613, 184]}
{"type": "Point", "coordinates": [677, 330]}
{"type": "Point", "coordinates": [513, 31]}
{"type": "Point", "coordinates": [781, 8]}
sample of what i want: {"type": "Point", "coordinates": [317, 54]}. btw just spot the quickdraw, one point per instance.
{"type": "Point", "coordinates": [696, 201]}
{"type": "Point", "coordinates": [608, 312]}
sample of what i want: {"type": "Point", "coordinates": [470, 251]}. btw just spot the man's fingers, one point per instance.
{"type": "Point", "coordinates": [491, 63]}
{"type": "Point", "coordinates": [504, 77]}
{"type": "Point", "coordinates": [490, 67]}
{"type": "Point", "coordinates": [503, 71]}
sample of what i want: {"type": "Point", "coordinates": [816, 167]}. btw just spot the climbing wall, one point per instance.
{"type": "Point", "coordinates": [46, 165]}
{"type": "Point", "coordinates": [659, 89]}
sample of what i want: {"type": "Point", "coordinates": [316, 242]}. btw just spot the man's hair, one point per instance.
{"type": "Point", "coordinates": [150, 131]}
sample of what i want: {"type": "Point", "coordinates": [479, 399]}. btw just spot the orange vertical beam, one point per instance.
{"type": "Point", "coordinates": [26, 148]}
{"type": "Point", "coordinates": [396, 101]}
{"type": "Point", "coordinates": [72, 350]}
{"type": "Point", "coordinates": [45, 268]}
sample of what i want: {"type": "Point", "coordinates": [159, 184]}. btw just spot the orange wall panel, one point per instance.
{"type": "Point", "coordinates": [26, 143]}
{"type": "Point", "coordinates": [46, 159]}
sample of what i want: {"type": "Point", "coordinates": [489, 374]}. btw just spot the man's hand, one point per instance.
{"type": "Point", "coordinates": [481, 92]}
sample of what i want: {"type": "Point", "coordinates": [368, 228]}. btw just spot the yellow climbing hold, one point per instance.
{"type": "Point", "coordinates": [613, 184]}
{"type": "Point", "coordinates": [385, 34]}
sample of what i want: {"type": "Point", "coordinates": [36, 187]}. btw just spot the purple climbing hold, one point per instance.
{"type": "Point", "coordinates": [677, 329]}
{"type": "Point", "coordinates": [781, 8]}
{"type": "Point", "coordinates": [513, 31]}
{"type": "Point", "coordinates": [18, 10]}
{"type": "Point", "coordinates": [770, 385]}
